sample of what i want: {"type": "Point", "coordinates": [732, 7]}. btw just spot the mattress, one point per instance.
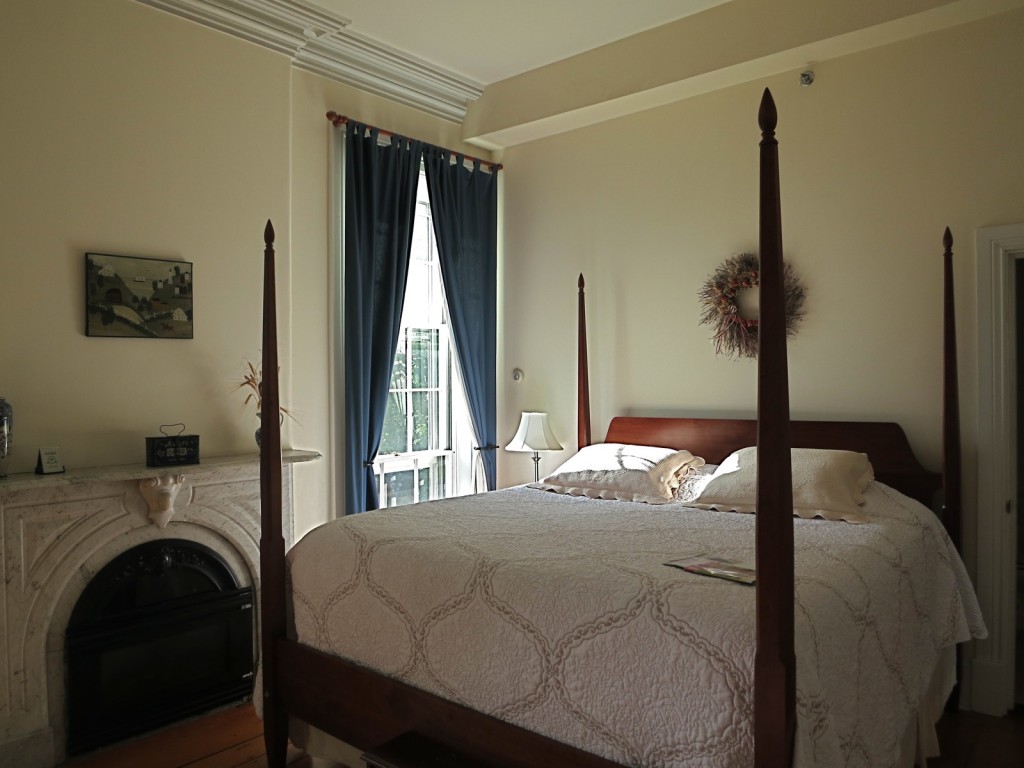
{"type": "Point", "coordinates": [557, 613]}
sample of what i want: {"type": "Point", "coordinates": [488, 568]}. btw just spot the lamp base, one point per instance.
{"type": "Point", "coordinates": [536, 466]}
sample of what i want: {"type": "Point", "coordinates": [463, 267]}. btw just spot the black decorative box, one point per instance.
{"type": "Point", "coordinates": [172, 450]}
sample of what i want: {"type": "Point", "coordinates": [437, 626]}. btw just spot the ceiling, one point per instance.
{"type": "Point", "coordinates": [437, 56]}
{"type": "Point", "coordinates": [512, 71]}
{"type": "Point", "coordinates": [490, 40]}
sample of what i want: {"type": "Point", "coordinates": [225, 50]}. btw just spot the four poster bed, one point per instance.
{"type": "Point", "coordinates": [529, 628]}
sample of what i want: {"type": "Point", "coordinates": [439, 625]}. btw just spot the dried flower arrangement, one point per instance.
{"type": "Point", "coordinates": [253, 381]}
{"type": "Point", "coordinates": [736, 335]}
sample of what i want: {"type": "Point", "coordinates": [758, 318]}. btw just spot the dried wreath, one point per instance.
{"type": "Point", "coordinates": [736, 335]}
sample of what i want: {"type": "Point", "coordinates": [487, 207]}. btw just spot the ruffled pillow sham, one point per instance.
{"type": "Point", "coordinates": [642, 473]}
{"type": "Point", "coordinates": [693, 485]}
{"type": "Point", "coordinates": [826, 483]}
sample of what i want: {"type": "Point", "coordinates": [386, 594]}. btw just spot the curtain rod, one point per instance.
{"type": "Point", "coordinates": [337, 119]}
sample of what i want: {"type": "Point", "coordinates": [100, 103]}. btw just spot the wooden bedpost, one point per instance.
{"type": "Point", "coordinates": [582, 375]}
{"type": "Point", "coordinates": [951, 461]}
{"type": "Point", "coordinates": [272, 579]}
{"type": "Point", "coordinates": [774, 664]}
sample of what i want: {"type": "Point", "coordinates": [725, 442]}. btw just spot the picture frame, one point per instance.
{"type": "Point", "coordinates": [137, 297]}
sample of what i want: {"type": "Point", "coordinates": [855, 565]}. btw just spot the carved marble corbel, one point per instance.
{"type": "Point", "coordinates": [159, 493]}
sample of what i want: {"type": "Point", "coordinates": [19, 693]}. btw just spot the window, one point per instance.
{"type": "Point", "coordinates": [426, 444]}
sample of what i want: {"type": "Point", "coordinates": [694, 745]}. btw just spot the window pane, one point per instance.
{"type": "Point", "coordinates": [400, 367]}
{"type": "Point", "coordinates": [432, 479]}
{"type": "Point", "coordinates": [435, 294]}
{"type": "Point", "coordinates": [399, 487]}
{"type": "Point", "coordinates": [421, 234]}
{"type": "Point", "coordinates": [435, 358]}
{"type": "Point", "coordinates": [417, 310]}
{"type": "Point", "coordinates": [395, 437]}
{"type": "Point", "coordinates": [424, 345]}
{"type": "Point", "coordinates": [441, 473]}
{"type": "Point", "coordinates": [424, 483]}
{"type": "Point", "coordinates": [424, 421]}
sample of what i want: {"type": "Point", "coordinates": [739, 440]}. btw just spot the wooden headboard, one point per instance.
{"type": "Point", "coordinates": [885, 443]}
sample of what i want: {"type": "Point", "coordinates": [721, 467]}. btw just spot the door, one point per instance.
{"type": "Point", "coordinates": [994, 676]}
{"type": "Point", "coordinates": [1019, 398]}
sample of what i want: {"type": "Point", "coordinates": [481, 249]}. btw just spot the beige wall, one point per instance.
{"type": "Point", "coordinates": [886, 148]}
{"type": "Point", "coordinates": [127, 130]}
{"type": "Point", "coordinates": [130, 131]}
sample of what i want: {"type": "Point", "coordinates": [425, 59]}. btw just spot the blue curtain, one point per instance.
{"type": "Point", "coordinates": [464, 207]}
{"type": "Point", "coordinates": [380, 207]}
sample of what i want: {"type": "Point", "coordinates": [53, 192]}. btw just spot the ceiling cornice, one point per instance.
{"type": "Point", "coordinates": [318, 41]}
{"type": "Point", "coordinates": [371, 66]}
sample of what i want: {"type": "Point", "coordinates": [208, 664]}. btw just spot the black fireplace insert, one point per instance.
{"type": "Point", "coordinates": [161, 633]}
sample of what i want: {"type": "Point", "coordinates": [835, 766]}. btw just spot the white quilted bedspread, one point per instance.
{"type": "Point", "coordinates": [557, 613]}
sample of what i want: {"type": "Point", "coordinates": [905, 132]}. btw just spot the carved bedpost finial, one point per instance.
{"type": "Point", "coordinates": [947, 240]}
{"type": "Point", "coordinates": [268, 233]}
{"type": "Point", "coordinates": [580, 283]}
{"type": "Point", "coordinates": [767, 115]}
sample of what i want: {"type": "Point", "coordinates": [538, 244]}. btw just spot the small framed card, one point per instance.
{"type": "Point", "coordinates": [49, 461]}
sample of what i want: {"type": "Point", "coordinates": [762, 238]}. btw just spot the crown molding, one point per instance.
{"type": "Point", "coordinates": [318, 41]}
{"type": "Point", "coordinates": [281, 25]}
{"type": "Point", "coordinates": [369, 65]}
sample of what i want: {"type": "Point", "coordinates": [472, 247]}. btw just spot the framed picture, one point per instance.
{"type": "Point", "coordinates": [127, 296]}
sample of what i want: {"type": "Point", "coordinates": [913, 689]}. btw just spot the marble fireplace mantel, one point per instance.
{"type": "Point", "coordinates": [57, 531]}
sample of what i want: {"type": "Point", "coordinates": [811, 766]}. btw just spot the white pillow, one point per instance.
{"type": "Point", "coordinates": [826, 483]}
{"type": "Point", "coordinates": [620, 471]}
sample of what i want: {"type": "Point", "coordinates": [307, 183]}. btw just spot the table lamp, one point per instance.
{"type": "Point", "coordinates": [534, 434]}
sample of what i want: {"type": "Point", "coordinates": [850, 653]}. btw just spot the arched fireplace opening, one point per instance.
{"type": "Point", "coordinates": [161, 633]}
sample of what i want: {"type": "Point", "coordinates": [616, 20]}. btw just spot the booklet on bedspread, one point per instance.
{"type": "Point", "coordinates": [709, 565]}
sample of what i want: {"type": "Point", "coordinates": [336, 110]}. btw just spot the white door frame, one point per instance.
{"type": "Point", "coordinates": [992, 668]}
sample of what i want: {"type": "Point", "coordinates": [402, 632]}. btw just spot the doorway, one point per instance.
{"type": "Point", "coordinates": [1018, 265]}
{"type": "Point", "coordinates": [995, 682]}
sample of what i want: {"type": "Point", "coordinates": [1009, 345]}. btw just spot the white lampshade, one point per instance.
{"type": "Point", "coordinates": [534, 434]}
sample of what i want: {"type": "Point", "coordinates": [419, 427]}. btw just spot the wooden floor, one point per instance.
{"type": "Point", "coordinates": [970, 740]}
{"type": "Point", "coordinates": [232, 738]}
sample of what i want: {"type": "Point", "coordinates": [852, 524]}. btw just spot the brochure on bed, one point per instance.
{"type": "Point", "coordinates": [557, 612]}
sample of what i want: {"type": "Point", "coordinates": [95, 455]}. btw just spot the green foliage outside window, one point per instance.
{"type": "Point", "coordinates": [414, 400]}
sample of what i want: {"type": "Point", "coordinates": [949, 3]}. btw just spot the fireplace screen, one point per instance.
{"type": "Point", "coordinates": [163, 632]}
